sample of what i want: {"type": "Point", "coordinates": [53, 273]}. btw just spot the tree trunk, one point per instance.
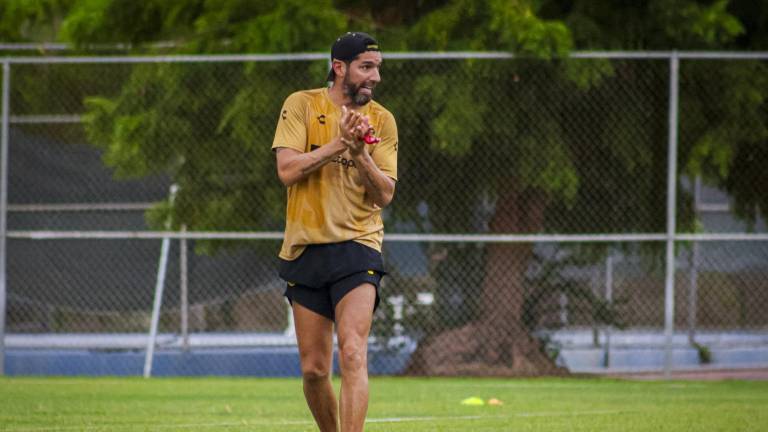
{"type": "Point", "coordinates": [497, 343]}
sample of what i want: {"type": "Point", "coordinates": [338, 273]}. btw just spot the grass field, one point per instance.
{"type": "Point", "coordinates": [397, 404]}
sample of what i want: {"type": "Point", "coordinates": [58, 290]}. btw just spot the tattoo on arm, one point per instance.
{"type": "Point", "coordinates": [314, 164]}
{"type": "Point", "coordinates": [296, 167]}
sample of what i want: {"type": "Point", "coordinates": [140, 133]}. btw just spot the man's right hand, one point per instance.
{"type": "Point", "coordinates": [349, 125]}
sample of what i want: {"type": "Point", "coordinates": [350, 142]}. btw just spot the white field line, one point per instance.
{"type": "Point", "coordinates": [561, 386]}
{"type": "Point", "coordinates": [481, 417]}
{"type": "Point", "coordinates": [66, 383]}
{"type": "Point", "coordinates": [110, 427]}
{"type": "Point", "coordinates": [304, 422]}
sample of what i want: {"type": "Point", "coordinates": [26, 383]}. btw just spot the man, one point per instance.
{"type": "Point", "coordinates": [331, 253]}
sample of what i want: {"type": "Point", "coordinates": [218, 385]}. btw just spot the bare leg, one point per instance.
{"type": "Point", "coordinates": [314, 334]}
{"type": "Point", "coordinates": [354, 314]}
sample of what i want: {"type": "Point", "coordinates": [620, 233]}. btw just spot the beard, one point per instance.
{"type": "Point", "coordinates": [353, 91]}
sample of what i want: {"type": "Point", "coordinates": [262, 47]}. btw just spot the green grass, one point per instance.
{"type": "Point", "coordinates": [397, 404]}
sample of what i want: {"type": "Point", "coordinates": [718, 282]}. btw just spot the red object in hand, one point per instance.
{"type": "Point", "coordinates": [369, 138]}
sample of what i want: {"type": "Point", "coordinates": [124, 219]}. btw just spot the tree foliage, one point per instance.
{"type": "Point", "coordinates": [153, 133]}
{"type": "Point", "coordinates": [32, 20]}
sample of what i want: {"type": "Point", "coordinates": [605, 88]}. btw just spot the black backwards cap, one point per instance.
{"type": "Point", "coordinates": [349, 45]}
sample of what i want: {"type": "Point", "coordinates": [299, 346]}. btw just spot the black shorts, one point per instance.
{"type": "Point", "coordinates": [324, 273]}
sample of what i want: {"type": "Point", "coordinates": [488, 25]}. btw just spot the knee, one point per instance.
{"type": "Point", "coordinates": [314, 372]}
{"type": "Point", "coordinates": [353, 358]}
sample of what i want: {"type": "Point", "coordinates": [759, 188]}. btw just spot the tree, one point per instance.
{"type": "Point", "coordinates": [510, 132]}
{"type": "Point", "coordinates": [564, 192]}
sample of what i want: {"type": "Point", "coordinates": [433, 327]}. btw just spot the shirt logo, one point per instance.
{"type": "Point", "coordinates": [321, 119]}
{"type": "Point", "coordinates": [284, 115]}
{"type": "Point", "coordinates": [346, 163]}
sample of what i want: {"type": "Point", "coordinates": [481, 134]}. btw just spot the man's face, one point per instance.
{"type": "Point", "coordinates": [362, 77]}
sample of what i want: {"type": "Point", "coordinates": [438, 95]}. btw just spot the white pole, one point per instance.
{"type": "Point", "coordinates": [608, 299]}
{"type": "Point", "coordinates": [693, 280]}
{"type": "Point", "coordinates": [290, 329]}
{"type": "Point", "coordinates": [669, 287]}
{"type": "Point", "coordinates": [563, 309]}
{"type": "Point", "coordinates": [183, 282]}
{"type": "Point", "coordinates": [161, 270]}
{"type": "Point", "coordinates": [4, 206]}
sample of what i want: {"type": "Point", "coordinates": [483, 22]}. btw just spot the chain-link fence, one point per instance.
{"type": "Point", "coordinates": [527, 234]}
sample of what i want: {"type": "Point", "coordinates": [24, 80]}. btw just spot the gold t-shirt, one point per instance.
{"type": "Point", "coordinates": [331, 205]}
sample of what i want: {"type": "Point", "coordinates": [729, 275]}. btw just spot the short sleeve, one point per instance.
{"type": "Point", "coordinates": [385, 152]}
{"type": "Point", "coordinates": [291, 129]}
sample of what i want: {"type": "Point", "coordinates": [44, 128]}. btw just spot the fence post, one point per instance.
{"type": "Point", "coordinates": [183, 282]}
{"type": "Point", "coordinates": [4, 205]}
{"type": "Point", "coordinates": [669, 288]}
{"type": "Point", "coordinates": [160, 284]}
{"type": "Point", "coordinates": [609, 301]}
{"type": "Point", "coordinates": [693, 280]}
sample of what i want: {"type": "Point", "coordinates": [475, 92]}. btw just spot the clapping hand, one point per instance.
{"type": "Point", "coordinates": [353, 130]}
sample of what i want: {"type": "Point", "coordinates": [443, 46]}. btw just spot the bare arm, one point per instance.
{"type": "Point", "coordinates": [294, 166]}
{"type": "Point", "coordinates": [378, 185]}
